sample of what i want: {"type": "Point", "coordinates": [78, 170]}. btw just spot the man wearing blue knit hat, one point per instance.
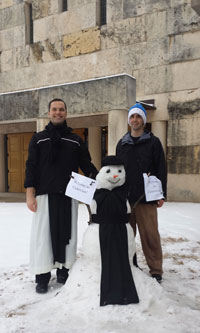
{"type": "Point", "coordinates": [142, 152]}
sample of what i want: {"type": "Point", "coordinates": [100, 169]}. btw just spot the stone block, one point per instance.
{"type": "Point", "coordinates": [21, 57]}
{"type": "Point", "coordinates": [17, 106]}
{"type": "Point", "coordinates": [40, 8]}
{"type": "Point", "coordinates": [53, 49]}
{"type": "Point", "coordinates": [114, 11]}
{"type": "Point", "coordinates": [195, 4]}
{"type": "Point", "coordinates": [183, 188]}
{"type": "Point", "coordinates": [86, 41]}
{"type": "Point", "coordinates": [79, 3]}
{"type": "Point", "coordinates": [12, 16]}
{"type": "Point", "coordinates": [182, 19]}
{"type": "Point", "coordinates": [12, 37]}
{"type": "Point", "coordinates": [179, 160]}
{"type": "Point", "coordinates": [141, 7]}
{"type": "Point", "coordinates": [64, 23]}
{"type": "Point", "coordinates": [6, 61]}
{"type": "Point", "coordinates": [126, 32]}
{"type": "Point", "coordinates": [8, 3]}
{"type": "Point", "coordinates": [183, 132]}
{"type": "Point", "coordinates": [184, 47]}
{"type": "Point", "coordinates": [155, 25]}
{"type": "Point", "coordinates": [185, 75]}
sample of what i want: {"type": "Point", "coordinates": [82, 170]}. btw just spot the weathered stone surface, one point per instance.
{"type": "Point", "coordinates": [185, 75]}
{"type": "Point", "coordinates": [40, 8]}
{"type": "Point", "coordinates": [6, 60]}
{"type": "Point", "coordinates": [52, 49]}
{"type": "Point", "coordinates": [12, 16]}
{"type": "Point", "coordinates": [184, 160]}
{"type": "Point", "coordinates": [19, 106]}
{"type": "Point", "coordinates": [183, 188]}
{"type": "Point", "coordinates": [78, 19]}
{"type": "Point", "coordinates": [184, 47]}
{"type": "Point", "coordinates": [8, 3]}
{"type": "Point", "coordinates": [36, 52]}
{"type": "Point", "coordinates": [195, 4]}
{"type": "Point", "coordinates": [86, 41]}
{"type": "Point", "coordinates": [105, 94]}
{"type": "Point", "coordinates": [114, 10]}
{"type": "Point", "coordinates": [141, 7]}
{"type": "Point", "coordinates": [179, 110]}
{"type": "Point", "coordinates": [183, 132]}
{"type": "Point", "coordinates": [126, 32]}
{"type": "Point", "coordinates": [78, 3]}
{"type": "Point", "coordinates": [12, 37]}
{"type": "Point", "coordinates": [67, 70]}
{"type": "Point", "coordinates": [21, 57]}
{"type": "Point", "coordinates": [182, 19]}
{"type": "Point", "coordinates": [89, 97]}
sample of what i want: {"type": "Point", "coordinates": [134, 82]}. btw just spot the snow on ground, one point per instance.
{"type": "Point", "coordinates": [173, 306]}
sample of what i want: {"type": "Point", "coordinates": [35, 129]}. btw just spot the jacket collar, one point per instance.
{"type": "Point", "coordinates": [127, 139]}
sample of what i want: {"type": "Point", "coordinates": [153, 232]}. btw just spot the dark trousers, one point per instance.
{"type": "Point", "coordinates": [45, 277]}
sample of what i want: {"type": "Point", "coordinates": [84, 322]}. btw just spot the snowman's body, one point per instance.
{"type": "Point", "coordinates": [111, 210]}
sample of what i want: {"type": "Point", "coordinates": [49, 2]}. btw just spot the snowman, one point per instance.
{"type": "Point", "coordinates": [111, 211]}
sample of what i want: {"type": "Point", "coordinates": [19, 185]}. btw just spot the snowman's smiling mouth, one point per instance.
{"type": "Point", "coordinates": [115, 182]}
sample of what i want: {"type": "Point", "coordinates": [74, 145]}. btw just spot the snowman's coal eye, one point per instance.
{"type": "Point", "coordinates": [108, 171]}
{"type": "Point", "coordinates": [120, 170]}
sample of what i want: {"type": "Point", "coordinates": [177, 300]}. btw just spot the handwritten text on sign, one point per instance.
{"type": "Point", "coordinates": [81, 188]}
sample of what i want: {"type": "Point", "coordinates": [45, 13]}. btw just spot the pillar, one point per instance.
{"type": "Point", "coordinates": [94, 145]}
{"type": "Point", "coordinates": [41, 123]}
{"type": "Point", "coordinates": [117, 127]}
{"type": "Point", "coordinates": [2, 165]}
{"type": "Point", "coordinates": [159, 128]}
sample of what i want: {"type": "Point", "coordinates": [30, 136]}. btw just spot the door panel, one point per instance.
{"type": "Point", "coordinates": [17, 150]}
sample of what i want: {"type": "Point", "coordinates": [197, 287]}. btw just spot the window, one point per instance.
{"type": "Point", "coordinates": [64, 5]}
{"type": "Point", "coordinates": [28, 23]}
{"type": "Point", "coordinates": [103, 18]}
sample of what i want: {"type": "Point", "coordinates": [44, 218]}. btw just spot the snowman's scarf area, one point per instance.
{"type": "Point", "coordinates": [111, 206]}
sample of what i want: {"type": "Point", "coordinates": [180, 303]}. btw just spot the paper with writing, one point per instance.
{"type": "Point", "coordinates": [81, 188]}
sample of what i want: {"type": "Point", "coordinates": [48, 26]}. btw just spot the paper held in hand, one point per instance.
{"type": "Point", "coordinates": [81, 188]}
{"type": "Point", "coordinates": [153, 188]}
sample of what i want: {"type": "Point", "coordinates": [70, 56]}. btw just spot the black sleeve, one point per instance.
{"type": "Point", "coordinates": [160, 164]}
{"type": "Point", "coordinates": [85, 162]}
{"type": "Point", "coordinates": [31, 164]}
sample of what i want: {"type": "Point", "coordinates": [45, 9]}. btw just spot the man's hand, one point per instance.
{"type": "Point", "coordinates": [160, 203]}
{"type": "Point", "coordinates": [30, 199]}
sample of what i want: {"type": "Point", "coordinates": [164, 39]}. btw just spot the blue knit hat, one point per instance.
{"type": "Point", "coordinates": [139, 109]}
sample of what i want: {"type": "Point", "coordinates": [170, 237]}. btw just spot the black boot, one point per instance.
{"type": "Point", "coordinates": [41, 288]}
{"type": "Point", "coordinates": [62, 275]}
{"type": "Point", "coordinates": [42, 281]}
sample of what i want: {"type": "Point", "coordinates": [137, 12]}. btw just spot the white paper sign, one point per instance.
{"type": "Point", "coordinates": [153, 188]}
{"type": "Point", "coordinates": [81, 188]}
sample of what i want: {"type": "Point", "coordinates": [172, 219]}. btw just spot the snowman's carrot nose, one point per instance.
{"type": "Point", "coordinates": [115, 176]}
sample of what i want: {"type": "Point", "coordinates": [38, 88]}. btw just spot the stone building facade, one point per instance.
{"type": "Point", "coordinates": [67, 48]}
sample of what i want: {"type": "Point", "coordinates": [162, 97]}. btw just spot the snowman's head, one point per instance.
{"type": "Point", "coordinates": [112, 174]}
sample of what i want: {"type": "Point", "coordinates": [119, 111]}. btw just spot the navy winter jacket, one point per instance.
{"type": "Point", "coordinates": [144, 156]}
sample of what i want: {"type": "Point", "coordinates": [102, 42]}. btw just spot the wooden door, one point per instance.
{"type": "Point", "coordinates": [17, 150]}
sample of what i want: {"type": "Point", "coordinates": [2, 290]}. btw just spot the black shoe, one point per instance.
{"type": "Point", "coordinates": [62, 279]}
{"type": "Point", "coordinates": [158, 277]}
{"type": "Point", "coordinates": [41, 288]}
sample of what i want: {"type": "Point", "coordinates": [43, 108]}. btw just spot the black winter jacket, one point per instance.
{"type": "Point", "coordinates": [144, 156]}
{"type": "Point", "coordinates": [52, 158]}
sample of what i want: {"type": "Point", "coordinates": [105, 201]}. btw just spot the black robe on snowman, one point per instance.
{"type": "Point", "coordinates": [110, 209]}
